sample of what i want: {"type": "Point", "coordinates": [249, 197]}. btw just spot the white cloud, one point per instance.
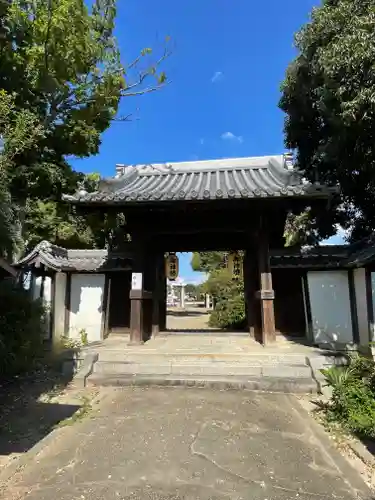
{"type": "Point", "coordinates": [229, 136]}
{"type": "Point", "coordinates": [218, 75]}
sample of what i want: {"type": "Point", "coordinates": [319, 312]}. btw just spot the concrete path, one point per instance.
{"type": "Point", "coordinates": [172, 444]}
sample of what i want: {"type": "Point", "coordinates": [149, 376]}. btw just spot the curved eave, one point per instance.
{"type": "Point", "coordinates": [101, 199]}
{"type": "Point", "coordinates": [35, 258]}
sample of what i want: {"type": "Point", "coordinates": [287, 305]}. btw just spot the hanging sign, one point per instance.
{"type": "Point", "coordinates": [235, 266]}
{"type": "Point", "coordinates": [171, 266]}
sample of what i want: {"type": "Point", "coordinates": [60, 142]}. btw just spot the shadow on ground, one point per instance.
{"type": "Point", "coordinates": [186, 313]}
{"type": "Point", "coordinates": [215, 332]}
{"type": "Point", "coordinates": [368, 443]}
{"type": "Point", "coordinates": [24, 419]}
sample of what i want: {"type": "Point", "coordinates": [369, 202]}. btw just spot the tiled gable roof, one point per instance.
{"type": "Point", "coordinates": [232, 178]}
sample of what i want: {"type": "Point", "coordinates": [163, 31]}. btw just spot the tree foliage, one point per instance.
{"type": "Point", "coordinates": [22, 326]}
{"type": "Point", "coordinates": [62, 79]}
{"type": "Point", "coordinates": [207, 262]}
{"type": "Point", "coordinates": [353, 395]}
{"type": "Point", "coordinates": [19, 131]}
{"type": "Point", "coordinates": [227, 293]}
{"type": "Point", "coordinates": [229, 303]}
{"type": "Point", "coordinates": [329, 98]}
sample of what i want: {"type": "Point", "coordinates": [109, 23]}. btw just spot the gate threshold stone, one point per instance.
{"type": "Point", "coordinates": [262, 383]}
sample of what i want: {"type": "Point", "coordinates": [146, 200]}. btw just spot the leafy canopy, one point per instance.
{"type": "Point", "coordinates": [329, 98]}
{"type": "Point", "coordinates": [63, 79]}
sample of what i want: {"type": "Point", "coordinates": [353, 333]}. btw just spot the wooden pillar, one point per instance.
{"type": "Point", "coordinates": [250, 287]}
{"type": "Point", "coordinates": [163, 298]}
{"type": "Point", "coordinates": [136, 317]}
{"type": "Point", "coordinates": [142, 289]}
{"type": "Point", "coordinates": [137, 298]}
{"type": "Point", "coordinates": [265, 294]}
{"type": "Point", "coordinates": [106, 303]}
{"type": "Point", "coordinates": [157, 292]}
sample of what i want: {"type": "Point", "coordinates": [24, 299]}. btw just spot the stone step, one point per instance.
{"type": "Point", "coordinates": [202, 369]}
{"type": "Point", "coordinates": [255, 359]}
{"type": "Point", "coordinates": [266, 384]}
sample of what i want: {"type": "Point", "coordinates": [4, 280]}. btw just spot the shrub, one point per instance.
{"type": "Point", "coordinates": [21, 329]}
{"type": "Point", "coordinates": [228, 293]}
{"type": "Point", "coordinates": [353, 395]}
{"type": "Point", "coordinates": [229, 313]}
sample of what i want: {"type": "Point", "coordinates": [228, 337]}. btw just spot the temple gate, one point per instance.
{"type": "Point", "coordinates": [230, 204]}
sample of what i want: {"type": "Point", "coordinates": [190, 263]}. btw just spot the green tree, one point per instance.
{"type": "Point", "coordinates": [61, 64]}
{"type": "Point", "coordinates": [19, 130]}
{"type": "Point", "coordinates": [228, 294]}
{"type": "Point", "coordinates": [328, 96]}
{"type": "Point", "coordinates": [206, 262]}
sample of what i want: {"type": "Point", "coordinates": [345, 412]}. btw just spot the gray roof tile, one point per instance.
{"type": "Point", "coordinates": [258, 177]}
{"type": "Point", "coordinates": [62, 259]}
{"type": "Point", "coordinates": [325, 256]}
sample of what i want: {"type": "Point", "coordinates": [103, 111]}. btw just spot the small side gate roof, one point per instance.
{"type": "Point", "coordinates": [61, 259]}
{"type": "Point", "coordinates": [322, 257]}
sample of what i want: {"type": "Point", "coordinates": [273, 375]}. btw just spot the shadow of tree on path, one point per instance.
{"type": "Point", "coordinates": [24, 419]}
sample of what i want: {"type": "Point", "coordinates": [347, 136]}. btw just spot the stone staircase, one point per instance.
{"type": "Point", "coordinates": [222, 362]}
{"type": "Point", "coordinates": [286, 373]}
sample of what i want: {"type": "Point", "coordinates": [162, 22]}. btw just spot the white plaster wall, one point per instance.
{"type": "Point", "coordinates": [59, 313]}
{"type": "Point", "coordinates": [47, 298]}
{"type": "Point", "coordinates": [361, 303]}
{"type": "Point", "coordinates": [86, 305]}
{"type": "Point", "coordinates": [47, 288]}
{"type": "Point", "coordinates": [330, 306]}
{"type": "Point", "coordinates": [36, 287]}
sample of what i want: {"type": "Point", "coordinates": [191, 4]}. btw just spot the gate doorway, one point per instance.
{"type": "Point", "coordinates": [119, 284]}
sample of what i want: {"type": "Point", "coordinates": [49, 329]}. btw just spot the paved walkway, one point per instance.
{"type": "Point", "coordinates": [204, 342]}
{"type": "Point", "coordinates": [174, 444]}
{"type": "Point", "coordinates": [190, 318]}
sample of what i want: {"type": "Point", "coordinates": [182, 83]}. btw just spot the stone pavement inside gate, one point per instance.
{"type": "Point", "coordinates": [189, 318]}
{"type": "Point", "coordinates": [188, 331]}
{"type": "Point", "coordinates": [172, 444]}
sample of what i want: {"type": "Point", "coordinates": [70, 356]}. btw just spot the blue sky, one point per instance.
{"type": "Point", "coordinates": [229, 58]}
